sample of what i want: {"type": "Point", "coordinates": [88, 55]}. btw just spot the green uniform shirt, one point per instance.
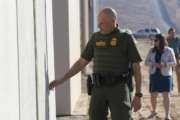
{"type": "Point", "coordinates": [112, 52]}
{"type": "Point", "coordinates": [175, 45]}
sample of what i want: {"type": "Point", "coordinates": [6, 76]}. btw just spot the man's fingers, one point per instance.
{"type": "Point", "coordinates": [52, 85]}
{"type": "Point", "coordinates": [136, 108]}
{"type": "Point", "coordinates": [136, 104]}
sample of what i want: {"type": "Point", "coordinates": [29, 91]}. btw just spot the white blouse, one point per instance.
{"type": "Point", "coordinates": [168, 61]}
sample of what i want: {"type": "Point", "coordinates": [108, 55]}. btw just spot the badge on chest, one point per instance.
{"type": "Point", "coordinates": [105, 43]}
{"type": "Point", "coordinates": [113, 42]}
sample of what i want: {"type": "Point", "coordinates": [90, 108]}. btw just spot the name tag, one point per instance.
{"type": "Point", "coordinates": [100, 43]}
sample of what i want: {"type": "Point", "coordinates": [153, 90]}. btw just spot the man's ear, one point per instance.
{"type": "Point", "coordinates": [115, 21]}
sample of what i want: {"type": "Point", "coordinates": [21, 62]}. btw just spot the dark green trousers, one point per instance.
{"type": "Point", "coordinates": [117, 98]}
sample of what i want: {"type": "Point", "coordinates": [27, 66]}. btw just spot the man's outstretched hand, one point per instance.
{"type": "Point", "coordinates": [77, 67]}
{"type": "Point", "coordinates": [54, 83]}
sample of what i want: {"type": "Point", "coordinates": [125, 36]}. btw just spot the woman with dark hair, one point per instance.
{"type": "Point", "coordinates": [160, 60]}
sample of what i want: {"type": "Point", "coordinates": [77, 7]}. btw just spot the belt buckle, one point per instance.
{"type": "Point", "coordinates": [125, 74]}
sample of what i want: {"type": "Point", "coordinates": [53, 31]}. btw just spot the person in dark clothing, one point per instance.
{"type": "Point", "coordinates": [174, 43]}
{"type": "Point", "coordinates": [111, 51]}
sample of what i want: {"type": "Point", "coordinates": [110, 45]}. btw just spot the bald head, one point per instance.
{"type": "Point", "coordinates": [107, 20]}
{"type": "Point", "coordinates": [110, 12]}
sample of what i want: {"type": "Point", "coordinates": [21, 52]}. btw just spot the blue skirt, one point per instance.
{"type": "Point", "coordinates": [159, 83]}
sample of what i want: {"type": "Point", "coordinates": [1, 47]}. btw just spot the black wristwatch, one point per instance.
{"type": "Point", "coordinates": [139, 94]}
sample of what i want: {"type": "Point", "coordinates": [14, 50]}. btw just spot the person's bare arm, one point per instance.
{"type": "Point", "coordinates": [137, 76]}
{"type": "Point", "coordinates": [77, 67]}
{"type": "Point", "coordinates": [136, 103]}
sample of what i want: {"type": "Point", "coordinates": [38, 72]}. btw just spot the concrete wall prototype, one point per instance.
{"type": "Point", "coordinates": [74, 45]}
{"type": "Point", "coordinates": [67, 50]}
{"type": "Point", "coordinates": [26, 60]}
{"type": "Point", "coordinates": [9, 87]}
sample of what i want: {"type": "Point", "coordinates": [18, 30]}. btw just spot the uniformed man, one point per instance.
{"type": "Point", "coordinates": [111, 51]}
{"type": "Point", "coordinates": [174, 43]}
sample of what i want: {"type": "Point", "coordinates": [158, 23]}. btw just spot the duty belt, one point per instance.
{"type": "Point", "coordinates": [109, 79]}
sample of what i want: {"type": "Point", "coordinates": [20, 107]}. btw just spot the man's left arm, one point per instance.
{"type": "Point", "coordinates": [137, 76]}
{"type": "Point", "coordinates": [135, 59]}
